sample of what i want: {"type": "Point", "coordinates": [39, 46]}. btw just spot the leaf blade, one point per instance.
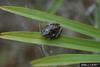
{"type": "Point", "coordinates": [42, 16]}
{"type": "Point", "coordinates": [66, 59]}
{"type": "Point", "coordinates": [63, 41]}
{"type": "Point", "coordinates": [56, 4]}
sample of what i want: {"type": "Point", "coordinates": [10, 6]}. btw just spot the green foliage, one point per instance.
{"type": "Point", "coordinates": [65, 59]}
{"type": "Point", "coordinates": [63, 41]}
{"type": "Point", "coordinates": [97, 15]}
{"type": "Point", "coordinates": [43, 16]}
{"type": "Point", "coordinates": [55, 6]}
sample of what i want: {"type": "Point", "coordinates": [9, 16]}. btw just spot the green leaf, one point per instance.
{"type": "Point", "coordinates": [43, 16]}
{"type": "Point", "coordinates": [97, 15]}
{"type": "Point", "coordinates": [55, 6]}
{"type": "Point", "coordinates": [66, 59]}
{"type": "Point", "coordinates": [63, 41]}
